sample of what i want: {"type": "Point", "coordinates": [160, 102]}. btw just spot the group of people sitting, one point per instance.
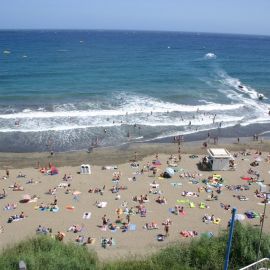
{"type": "Point", "coordinates": [43, 230]}
{"type": "Point", "coordinates": [81, 240]}
{"type": "Point", "coordinates": [150, 226]}
{"type": "Point", "coordinates": [10, 206]}
{"type": "Point", "coordinates": [141, 198]}
{"type": "Point", "coordinates": [106, 242]}
{"type": "Point", "coordinates": [76, 228]}
{"type": "Point", "coordinates": [16, 217]}
{"type": "Point", "coordinates": [177, 210]}
{"type": "Point", "coordinates": [161, 200]}
{"type": "Point", "coordinates": [210, 219]}
{"type": "Point", "coordinates": [97, 190]}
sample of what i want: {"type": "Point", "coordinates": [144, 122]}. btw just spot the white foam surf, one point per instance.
{"type": "Point", "coordinates": [210, 56]}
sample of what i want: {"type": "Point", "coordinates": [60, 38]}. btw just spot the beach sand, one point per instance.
{"type": "Point", "coordinates": [140, 241]}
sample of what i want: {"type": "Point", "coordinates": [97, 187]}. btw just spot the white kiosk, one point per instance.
{"type": "Point", "coordinates": [85, 169]}
{"type": "Point", "coordinates": [220, 159]}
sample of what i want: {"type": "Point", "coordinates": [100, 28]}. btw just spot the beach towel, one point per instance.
{"type": "Point", "coordinates": [194, 182]}
{"type": "Point", "coordinates": [55, 209]}
{"type": "Point", "coordinates": [176, 184]}
{"type": "Point", "coordinates": [207, 234]}
{"type": "Point", "coordinates": [217, 221]}
{"type": "Point", "coordinates": [182, 201]}
{"type": "Point", "coordinates": [132, 227]}
{"type": "Point", "coordinates": [87, 215]}
{"type": "Point", "coordinates": [202, 205]}
{"type": "Point", "coordinates": [246, 178]}
{"type": "Point", "coordinates": [70, 207]}
{"type": "Point", "coordinates": [192, 205]}
{"type": "Point", "coordinates": [252, 214]}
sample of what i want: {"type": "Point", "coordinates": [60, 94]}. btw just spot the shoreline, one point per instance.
{"type": "Point", "coordinates": [113, 155]}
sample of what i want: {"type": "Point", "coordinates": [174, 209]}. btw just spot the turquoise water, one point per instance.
{"type": "Point", "coordinates": [67, 89]}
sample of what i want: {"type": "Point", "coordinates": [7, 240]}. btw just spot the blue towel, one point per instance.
{"type": "Point", "coordinates": [132, 227]}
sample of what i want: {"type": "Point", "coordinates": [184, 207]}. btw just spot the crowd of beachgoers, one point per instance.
{"type": "Point", "coordinates": [131, 206]}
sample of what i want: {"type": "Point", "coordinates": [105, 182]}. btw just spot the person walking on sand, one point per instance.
{"type": "Point", "coordinates": [128, 219]}
{"type": "Point", "coordinates": [166, 229]}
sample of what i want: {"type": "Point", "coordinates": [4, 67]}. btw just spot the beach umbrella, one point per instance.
{"type": "Point", "coordinates": [258, 159]}
{"type": "Point", "coordinates": [170, 171]}
{"type": "Point", "coordinates": [76, 192]}
{"type": "Point", "coordinates": [26, 197]}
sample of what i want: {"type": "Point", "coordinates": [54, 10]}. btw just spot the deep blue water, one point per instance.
{"type": "Point", "coordinates": [63, 88]}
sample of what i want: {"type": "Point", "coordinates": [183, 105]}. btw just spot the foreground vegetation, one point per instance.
{"type": "Point", "coordinates": [204, 253]}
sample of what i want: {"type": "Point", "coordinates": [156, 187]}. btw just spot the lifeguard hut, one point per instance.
{"type": "Point", "coordinates": [220, 159]}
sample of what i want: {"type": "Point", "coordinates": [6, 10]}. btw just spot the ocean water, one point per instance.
{"type": "Point", "coordinates": [66, 90]}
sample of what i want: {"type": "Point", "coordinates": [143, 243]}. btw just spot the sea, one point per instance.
{"type": "Point", "coordinates": [74, 90]}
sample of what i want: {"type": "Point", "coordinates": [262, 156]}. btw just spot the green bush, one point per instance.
{"type": "Point", "coordinates": [45, 253]}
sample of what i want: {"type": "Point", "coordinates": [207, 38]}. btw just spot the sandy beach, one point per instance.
{"type": "Point", "coordinates": [137, 240]}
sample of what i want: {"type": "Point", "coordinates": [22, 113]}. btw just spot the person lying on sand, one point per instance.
{"type": "Point", "coordinates": [17, 187]}
{"type": "Point", "coordinates": [225, 206]}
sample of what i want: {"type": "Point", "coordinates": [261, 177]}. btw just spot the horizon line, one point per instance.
{"type": "Point", "coordinates": [130, 30]}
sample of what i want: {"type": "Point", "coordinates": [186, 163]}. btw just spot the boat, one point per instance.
{"type": "Point", "coordinates": [240, 86]}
